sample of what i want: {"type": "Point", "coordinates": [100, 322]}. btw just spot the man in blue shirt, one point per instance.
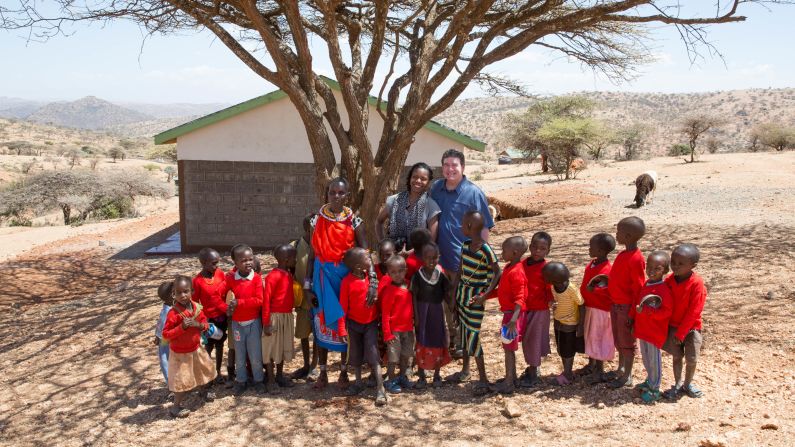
{"type": "Point", "coordinates": [456, 195]}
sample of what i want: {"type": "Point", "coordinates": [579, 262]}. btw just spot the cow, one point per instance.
{"type": "Point", "coordinates": [645, 185]}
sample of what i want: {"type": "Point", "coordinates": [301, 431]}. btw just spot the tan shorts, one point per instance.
{"type": "Point", "coordinates": [690, 349]}
{"type": "Point", "coordinates": [303, 323]}
{"type": "Point", "coordinates": [278, 347]}
{"type": "Point", "coordinates": [401, 346]}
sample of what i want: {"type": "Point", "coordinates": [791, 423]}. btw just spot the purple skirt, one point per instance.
{"type": "Point", "coordinates": [535, 341]}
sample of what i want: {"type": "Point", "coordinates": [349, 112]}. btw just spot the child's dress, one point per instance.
{"type": "Point", "coordinates": [476, 275]}
{"type": "Point", "coordinates": [433, 339]}
{"type": "Point", "coordinates": [189, 366]}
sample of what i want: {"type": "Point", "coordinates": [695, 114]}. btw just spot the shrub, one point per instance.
{"type": "Point", "coordinates": [151, 167]}
{"type": "Point", "coordinates": [115, 208]}
{"type": "Point", "coordinates": [679, 149]}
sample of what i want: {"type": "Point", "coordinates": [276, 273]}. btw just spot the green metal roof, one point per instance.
{"type": "Point", "coordinates": [171, 135]}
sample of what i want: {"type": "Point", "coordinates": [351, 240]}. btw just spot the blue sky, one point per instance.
{"type": "Point", "coordinates": [110, 62]}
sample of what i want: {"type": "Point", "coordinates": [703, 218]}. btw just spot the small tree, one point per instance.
{"type": "Point", "coordinates": [17, 146]}
{"type": "Point", "coordinates": [171, 172]}
{"type": "Point", "coordinates": [713, 144]}
{"type": "Point", "coordinates": [73, 158]}
{"type": "Point", "coordinates": [93, 162]}
{"type": "Point", "coordinates": [563, 138]}
{"type": "Point", "coordinates": [167, 152]}
{"type": "Point", "coordinates": [753, 142]}
{"type": "Point", "coordinates": [116, 153]}
{"type": "Point", "coordinates": [600, 138]}
{"type": "Point", "coordinates": [775, 136]}
{"type": "Point", "coordinates": [631, 139]}
{"type": "Point", "coordinates": [26, 166]}
{"type": "Point", "coordinates": [678, 149]}
{"type": "Point", "coordinates": [694, 126]}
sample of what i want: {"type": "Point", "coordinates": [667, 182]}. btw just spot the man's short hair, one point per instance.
{"type": "Point", "coordinates": [453, 153]}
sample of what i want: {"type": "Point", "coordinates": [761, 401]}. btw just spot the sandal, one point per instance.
{"type": "Point", "coordinates": [355, 389]}
{"type": "Point", "coordinates": [284, 382]}
{"type": "Point", "coordinates": [437, 382]}
{"type": "Point", "coordinates": [672, 393]}
{"type": "Point", "coordinates": [300, 373]}
{"type": "Point", "coordinates": [650, 396]}
{"type": "Point", "coordinates": [421, 383]}
{"type": "Point", "coordinates": [481, 389]}
{"type": "Point", "coordinates": [380, 398]}
{"type": "Point", "coordinates": [562, 380]}
{"type": "Point", "coordinates": [594, 379]}
{"type": "Point", "coordinates": [179, 412]}
{"type": "Point", "coordinates": [459, 377]}
{"type": "Point", "coordinates": [321, 382]}
{"type": "Point", "coordinates": [692, 391]}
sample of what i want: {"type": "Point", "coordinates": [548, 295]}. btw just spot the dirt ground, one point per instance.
{"type": "Point", "coordinates": [78, 367]}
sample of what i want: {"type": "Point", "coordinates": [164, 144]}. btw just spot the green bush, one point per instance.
{"type": "Point", "coordinates": [677, 150]}
{"type": "Point", "coordinates": [151, 167]}
{"type": "Point", "coordinates": [20, 222]}
{"type": "Point", "coordinates": [115, 208]}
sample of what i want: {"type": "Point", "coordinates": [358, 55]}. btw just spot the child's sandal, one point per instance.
{"type": "Point", "coordinates": [692, 391]}
{"type": "Point", "coordinates": [179, 412]}
{"type": "Point", "coordinates": [481, 389]}
{"type": "Point", "coordinates": [650, 396]}
{"type": "Point", "coordinates": [672, 393]}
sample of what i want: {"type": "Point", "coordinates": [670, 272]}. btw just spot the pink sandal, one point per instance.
{"type": "Point", "coordinates": [563, 380]}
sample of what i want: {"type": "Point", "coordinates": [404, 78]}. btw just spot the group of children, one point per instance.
{"type": "Point", "coordinates": [402, 309]}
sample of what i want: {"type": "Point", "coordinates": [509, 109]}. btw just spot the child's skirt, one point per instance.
{"type": "Point", "coordinates": [598, 335]}
{"type": "Point", "coordinates": [189, 370]}
{"type": "Point", "coordinates": [470, 318]}
{"type": "Point", "coordinates": [535, 341]}
{"type": "Point", "coordinates": [278, 347]}
{"type": "Point", "coordinates": [431, 351]}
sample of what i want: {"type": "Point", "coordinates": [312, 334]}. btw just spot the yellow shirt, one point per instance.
{"type": "Point", "coordinates": [567, 305]}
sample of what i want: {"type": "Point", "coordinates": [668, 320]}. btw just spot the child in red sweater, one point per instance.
{"type": "Point", "coordinates": [386, 249]}
{"type": "Point", "coordinates": [650, 315]}
{"type": "Point", "coordinates": [418, 238]}
{"type": "Point", "coordinates": [599, 345]}
{"type": "Point", "coordinates": [278, 323]}
{"type": "Point", "coordinates": [684, 335]}
{"type": "Point", "coordinates": [535, 340]}
{"type": "Point", "coordinates": [245, 310]}
{"type": "Point", "coordinates": [512, 295]}
{"type": "Point", "coordinates": [360, 326]}
{"type": "Point", "coordinates": [208, 285]}
{"type": "Point", "coordinates": [397, 322]}
{"type": "Point", "coordinates": [624, 283]}
{"type": "Point", "coordinates": [189, 366]}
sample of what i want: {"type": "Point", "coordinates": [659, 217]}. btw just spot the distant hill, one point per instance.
{"type": "Point", "coordinates": [743, 109]}
{"type": "Point", "coordinates": [17, 107]}
{"type": "Point", "coordinates": [176, 110]}
{"type": "Point", "coordinates": [86, 113]}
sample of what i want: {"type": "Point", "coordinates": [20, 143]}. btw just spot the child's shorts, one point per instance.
{"type": "Point", "coordinates": [520, 322]}
{"type": "Point", "coordinates": [362, 342]}
{"type": "Point", "coordinates": [690, 349]}
{"type": "Point", "coordinates": [401, 346]}
{"type": "Point", "coordinates": [566, 340]}
{"type": "Point", "coordinates": [622, 332]}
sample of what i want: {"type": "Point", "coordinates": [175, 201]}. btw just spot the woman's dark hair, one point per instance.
{"type": "Point", "coordinates": [414, 167]}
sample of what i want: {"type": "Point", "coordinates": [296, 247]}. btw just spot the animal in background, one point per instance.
{"type": "Point", "coordinates": [645, 185]}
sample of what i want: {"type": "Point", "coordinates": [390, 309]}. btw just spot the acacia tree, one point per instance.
{"type": "Point", "coordinates": [774, 136]}
{"type": "Point", "coordinates": [447, 45]}
{"type": "Point", "coordinates": [694, 126]}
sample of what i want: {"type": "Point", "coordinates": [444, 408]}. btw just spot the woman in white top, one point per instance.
{"type": "Point", "coordinates": [410, 209]}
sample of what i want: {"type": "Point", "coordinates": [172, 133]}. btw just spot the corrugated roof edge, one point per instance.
{"type": "Point", "coordinates": [170, 136]}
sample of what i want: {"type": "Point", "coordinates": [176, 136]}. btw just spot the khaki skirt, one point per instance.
{"type": "Point", "coordinates": [278, 347]}
{"type": "Point", "coordinates": [190, 370]}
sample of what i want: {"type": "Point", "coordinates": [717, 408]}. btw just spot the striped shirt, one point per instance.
{"type": "Point", "coordinates": [567, 302]}
{"type": "Point", "coordinates": [476, 266]}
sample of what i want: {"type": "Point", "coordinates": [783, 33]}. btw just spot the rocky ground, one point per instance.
{"type": "Point", "coordinates": [78, 367]}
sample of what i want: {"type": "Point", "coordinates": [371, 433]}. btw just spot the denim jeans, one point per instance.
{"type": "Point", "coordinates": [162, 354]}
{"type": "Point", "coordinates": [248, 343]}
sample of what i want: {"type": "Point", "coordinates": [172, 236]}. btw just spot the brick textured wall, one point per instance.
{"type": "Point", "coordinates": [254, 203]}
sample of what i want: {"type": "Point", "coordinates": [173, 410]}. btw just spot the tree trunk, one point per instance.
{"type": "Point", "coordinates": [67, 211]}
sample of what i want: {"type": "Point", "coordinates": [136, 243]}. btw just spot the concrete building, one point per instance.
{"type": "Point", "coordinates": [246, 174]}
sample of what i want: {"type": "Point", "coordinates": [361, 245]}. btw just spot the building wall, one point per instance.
{"type": "Point", "coordinates": [275, 133]}
{"type": "Point", "coordinates": [223, 203]}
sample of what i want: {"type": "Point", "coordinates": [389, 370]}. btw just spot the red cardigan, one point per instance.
{"type": "Point", "coordinates": [689, 297]}
{"type": "Point", "coordinates": [278, 294]}
{"type": "Point", "coordinates": [353, 299]}
{"type": "Point", "coordinates": [627, 276]}
{"type": "Point", "coordinates": [413, 263]}
{"type": "Point", "coordinates": [599, 298]}
{"type": "Point", "coordinates": [183, 341]}
{"type": "Point", "coordinates": [397, 310]}
{"type": "Point", "coordinates": [249, 295]}
{"type": "Point", "coordinates": [539, 293]}
{"type": "Point", "coordinates": [651, 325]}
{"type": "Point", "coordinates": [512, 289]}
{"type": "Point", "coordinates": [209, 294]}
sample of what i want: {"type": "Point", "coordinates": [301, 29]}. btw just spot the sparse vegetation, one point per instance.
{"type": "Point", "coordinates": [151, 167]}
{"type": "Point", "coordinates": [693, 127]}
{"type": "Point", "coordinates": [117, 153]}
{"type": "Point", "coordinates": [774, 136]}
{"type": "Point", "coordinates": [171, 172]}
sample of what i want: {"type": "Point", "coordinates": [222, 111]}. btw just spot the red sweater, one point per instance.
{"type": "Point", "coordinates": [413, 263]}
{"type": "Point", "coordinates": [208, 293]}
{"type": "Point", "coordinates": [512, 289]}
{"type": "Point", "coordinates": [249, 295]}
{"type": "Point", "coordinates": [627, 276]}
{"type": "Point", "coordinates": [651, 325]}
{"type": "Point", "coordinates": [689, 297]}
{"type": "Point", "coordinates": [397, 310]}
{"type": "Point", "coordinates": [599, 298]}
{"type": "Point", "coordinates": [183, 341]}
{"type": "Point", "coordinates": [539, 293]}
{"type": "Point", "coordinates": [278, 297]}
{"type": "Point", "coordinates": [353, 299]}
